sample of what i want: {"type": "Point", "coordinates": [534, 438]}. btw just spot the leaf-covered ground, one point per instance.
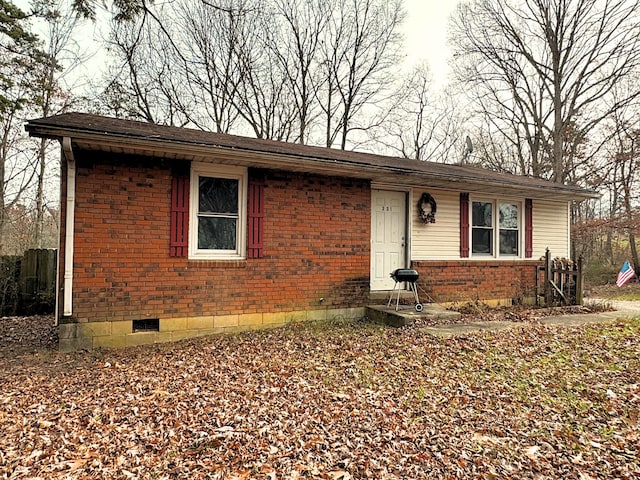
{"type": "Point", "coordinates": [480, 312]}
{"type": "Point", "coordinates": [329, 401]}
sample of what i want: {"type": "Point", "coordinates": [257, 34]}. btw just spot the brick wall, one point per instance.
{"type": "Point", "coordinates": [316, 246]}
{"type": "Point", "coordinates": [464, 281]}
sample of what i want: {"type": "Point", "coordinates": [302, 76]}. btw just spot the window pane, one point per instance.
{"type": "Point", "coordinates": [482, 214]}
{"type": "Point", "coordinates": [508, 215]}
{"type": "Point", "coordinates": [217, 233]}
{"type": "Point", "coordinates": [218, 195]}
{"type": "Point", "coordinates": [482, 240]}
{"type": "Point", "coordinates": [509, 242]}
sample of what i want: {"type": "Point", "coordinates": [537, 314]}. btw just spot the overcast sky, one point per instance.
{"type": "Point", "coordinates": [425, 34]}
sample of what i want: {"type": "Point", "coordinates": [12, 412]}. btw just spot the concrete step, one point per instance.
{"type": "Point", "coordinates": [380, 296]}
{"type": "Point", "coordinates": [406, 314]}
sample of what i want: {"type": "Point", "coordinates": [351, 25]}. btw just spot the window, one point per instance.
{"type": "Point", "coordinates": [509, 224]}
{"type": "Point", "coordinates": [482, 228]}
{"type": "Point", "coordinates": [218, 206]}
{"type": "Point", "coordinates": [487, 230]}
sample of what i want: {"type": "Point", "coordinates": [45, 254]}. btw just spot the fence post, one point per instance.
{"type": "Point", "coordinates": [579, 280]}
{"type": "Point", "coordinates": [547, 278]}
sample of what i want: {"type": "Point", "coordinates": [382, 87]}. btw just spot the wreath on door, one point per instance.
{"type": "Point", "coordinates": [427, 208]}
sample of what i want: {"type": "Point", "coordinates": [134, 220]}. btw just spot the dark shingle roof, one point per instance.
{"type": "Point", "coordinates": [79, 126]}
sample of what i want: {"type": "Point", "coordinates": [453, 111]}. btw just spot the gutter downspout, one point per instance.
{"type": "Point", "coordinates": [67, 309]}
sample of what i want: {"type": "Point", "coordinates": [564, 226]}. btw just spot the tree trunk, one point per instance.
{"type": "Point", "coordinates": [630, 227]}
{"type": "Point", "coordinates": [634, 252]}
{"type": "Point", "coordinates": [3, 159]}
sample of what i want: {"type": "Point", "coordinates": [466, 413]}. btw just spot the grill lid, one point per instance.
{"type": "Point", "coordinates": [405, 275]}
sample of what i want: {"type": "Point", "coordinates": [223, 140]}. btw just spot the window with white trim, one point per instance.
{"type": "Point", "coordinates": [489, 229]}
{"type": "Point", "coordinates": [217, 228]}
{"type": "Point", "coordinates": [482, 228]}
{"type": "Point", "coordinates": [509, 225]}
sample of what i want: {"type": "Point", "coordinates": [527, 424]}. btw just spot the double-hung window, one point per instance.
{"type": "Point", "coordinates": [489, 229]}
{"type": "Point", "coordinates": [217, 229]}
{"type": "Point", "coordinates": [509, 224]}
{"type": "Point", "coordinates": [482, 228]}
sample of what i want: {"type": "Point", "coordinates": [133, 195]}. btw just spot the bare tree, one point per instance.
{"type": "Point", "coordinates": [20, 53]}
{"type": "Point", "coordinates": [50, 96]}
{"type": "Point", "coordinates": [264, 98]}
{"type": "Point", "coordinates": [125, 10]}
{"type": "Point", "coordinates": [421, 124]}
{"type": "Point", "coordinates": [183, 64]}
{"type": "Point", "coordinates": [294, 32]}
{"type": "Point", "coordinates": [625, 164]}
{"type": "Point", "coordinates": [140, 82]}
{"type": "Point", "coordinates": [545, 70]}
{"type": "Point", "coordinates": [608, 234]}
{"type": "Point", "coordinates": [206, 44]}
{"type": "Point", "coordinates": [362, 47]}
{"type": "Point", "coordinates": [281, 68]}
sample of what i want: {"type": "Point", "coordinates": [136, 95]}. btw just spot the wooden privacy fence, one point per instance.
{"type": "Point", "coordinates": [28, 283]}
{"type": "Point", "coordinates": [9, 285]}
{"type": "Point", "coordinates": [559, 281]}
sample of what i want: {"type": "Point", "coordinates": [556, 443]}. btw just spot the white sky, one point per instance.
{"type": "Point", "coordinates": [424, 28]}
{"type": "Point", "coordinates": [426, 32]}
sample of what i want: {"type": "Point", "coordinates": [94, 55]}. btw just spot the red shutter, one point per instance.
{"type": "Point", "coordinates": [179, 240]}
{"type": "Point", "coordinates": [256, 219]}
{"type": "Point", "coordinates": [464, 225]}
{"type": "Point", "coordinates": [528, 228]}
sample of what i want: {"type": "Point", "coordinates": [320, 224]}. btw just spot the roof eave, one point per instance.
{"type": "Point", "coordinates": [312, 164]}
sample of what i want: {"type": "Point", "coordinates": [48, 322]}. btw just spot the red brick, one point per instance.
{"type": "Point", "coordinates": [122, 248]}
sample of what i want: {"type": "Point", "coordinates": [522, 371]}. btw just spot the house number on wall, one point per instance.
{"type": "Point", "coordinates": [387, 208]}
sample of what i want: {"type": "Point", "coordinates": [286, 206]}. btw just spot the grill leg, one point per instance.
{"type": "Point", "coordinates": [414, 289]}
{"type": "Point", "coordinates": [397, 296]}
{"type": "Point", "coordinates": [391, 294]}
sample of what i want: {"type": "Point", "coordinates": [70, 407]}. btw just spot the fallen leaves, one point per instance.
{"type": "Point", "coordinates": [24, 334]}
{"type": "Point", "coordinates": [329, 401]}
{"type": "Point", "coordinates": [478, 311]}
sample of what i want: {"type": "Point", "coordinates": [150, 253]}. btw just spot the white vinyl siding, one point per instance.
{"type": "Point", "coordinates": [550, 228]}
{"type": "Point", "coordinates": [440, 240]}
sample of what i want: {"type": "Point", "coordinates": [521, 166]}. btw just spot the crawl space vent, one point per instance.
{"type": "Point", "coordinates": [146, 325]}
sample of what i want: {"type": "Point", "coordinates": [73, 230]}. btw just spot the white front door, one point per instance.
{"type": "Point", "coordinates": [388, 231]}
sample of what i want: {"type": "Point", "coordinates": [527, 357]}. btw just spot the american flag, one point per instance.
{"type": "Point", "coordinates": [626, 273]}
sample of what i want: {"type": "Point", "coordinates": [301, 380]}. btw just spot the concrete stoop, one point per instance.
{"type": "Point", "coordinates": [406, 314]}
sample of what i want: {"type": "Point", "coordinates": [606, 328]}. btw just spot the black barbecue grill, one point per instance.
{"type": "Point", "coordinates": [409, 276]}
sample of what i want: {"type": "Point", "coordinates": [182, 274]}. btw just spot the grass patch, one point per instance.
{"type": "Point", "coordinates": [627, 296]}
{"type": "Point", "coordinates": [629, 291]}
